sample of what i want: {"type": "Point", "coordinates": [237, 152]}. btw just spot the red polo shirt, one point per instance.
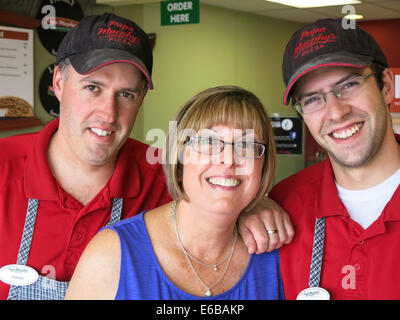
{"type": "Point", "coordinates": [357, 263]}
{"type": "Point", "coordinates": [63, 226]}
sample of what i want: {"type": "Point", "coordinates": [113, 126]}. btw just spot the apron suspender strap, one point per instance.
{"type": "Point", "coordinates": [31, 220]}
{"type": "Point", "coordinates": [44, 288]}
{"type": "Point", "coordinates": [28, 231]}
{"type": "Point", "coordinates": [116, 211]}
{"type": "Point", "coordinates": [317, 253]}
{"type": "Point", "coordinates": [26, 241]}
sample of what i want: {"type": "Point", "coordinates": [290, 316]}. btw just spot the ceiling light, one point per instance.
{"type": "Point", "coordinates": [354, 16]}
{"type": "Point", "coordinates": [314, 3]}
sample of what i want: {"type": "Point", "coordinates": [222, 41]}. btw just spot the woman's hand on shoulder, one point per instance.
{"type": "Point", "coordinates": [266, 227]}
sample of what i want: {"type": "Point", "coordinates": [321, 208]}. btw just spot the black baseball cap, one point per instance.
{"type": "Point", "coordinates": [99, 40]}
{"type": "Point", "coordinates": [327, 42]}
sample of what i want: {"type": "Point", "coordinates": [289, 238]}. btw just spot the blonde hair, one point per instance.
{"type": "Point", "coordinates": [232, 106]}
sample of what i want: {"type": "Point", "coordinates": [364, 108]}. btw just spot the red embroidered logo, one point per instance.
{"type": "Point", "coordinates": [313, 40]}
{"type": "Point", "coordinates": [118, 32]}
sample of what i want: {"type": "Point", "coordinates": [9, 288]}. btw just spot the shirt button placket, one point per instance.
{"type": "Point", "coordinates": [359, 262]}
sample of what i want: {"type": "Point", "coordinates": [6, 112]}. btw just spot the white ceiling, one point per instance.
{"type": "Point", "coordinates": [370, 9]}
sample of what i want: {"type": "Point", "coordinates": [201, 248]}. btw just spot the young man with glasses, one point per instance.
{"type": "Point", "coordinates": [346, 208]}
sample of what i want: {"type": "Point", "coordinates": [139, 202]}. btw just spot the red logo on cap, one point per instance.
{"type": "Point", "coordinates": [118, 32]}
{"type": "Point", "coordinates": [314, 40]}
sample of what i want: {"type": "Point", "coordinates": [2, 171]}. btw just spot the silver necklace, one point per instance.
{"type": "Point", "coordinates": [208, 292]}
{"type": "Point", "coordinates": [212, 265]}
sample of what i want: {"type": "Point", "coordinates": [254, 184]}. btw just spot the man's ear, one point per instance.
{"type": "Point", "coordinates": [388, 85]}
{"type": "Point", "coordinates": [58, 83]}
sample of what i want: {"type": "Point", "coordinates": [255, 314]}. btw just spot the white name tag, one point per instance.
{"type": "Point", "coordinates": [18, 275]}
{"type": "Point", "coordinates": [314, 293]}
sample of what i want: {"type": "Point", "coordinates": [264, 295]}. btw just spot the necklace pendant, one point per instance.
{"type": "Point", "coordinates": [208, 293]}
{"type": "Point", "coordinates": [215, 268]}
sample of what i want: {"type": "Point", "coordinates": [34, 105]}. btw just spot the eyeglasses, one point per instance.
{"type": "Point", "coordinates": [343, 91]}
{"type": "Point", "coordinates": [212, 145]}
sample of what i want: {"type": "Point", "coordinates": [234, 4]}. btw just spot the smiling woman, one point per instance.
{"type": "Point", "coordinates": [222, 163]}
{"type": "Point", "coordinates": [224, 105]}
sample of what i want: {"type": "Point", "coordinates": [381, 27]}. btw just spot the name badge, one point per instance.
{"type": "Point", "coordinates": [18, 275]}
{"type": "Point", "coordinates": [314, 293]}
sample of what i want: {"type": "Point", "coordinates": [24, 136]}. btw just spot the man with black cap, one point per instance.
{"type": "Point", "coordinates": [60, 186]}
{"type": "Point", "coordinates": [81, 171]}
{"type": "Point", "coordinates": [346, 209]}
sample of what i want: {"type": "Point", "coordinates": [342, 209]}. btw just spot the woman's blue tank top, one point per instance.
{"type": "Point", "coordinates": [141, 276]}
